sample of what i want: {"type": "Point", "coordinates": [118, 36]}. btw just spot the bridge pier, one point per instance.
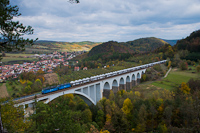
{"type": "Point", "coordinates": [122, 86]}
{"type": "Point", "coordinates": [115, 89]}
{"type": "Point", "coordinates": [92, 89]}
{"type": "Point", "coordinates": [106, 93]}
{"type": "Point", "coordinates": [138, 81]}
{"type": "Point", "coordinates": [134, 83]}
{"type": "Point", "coordinates": [128, 86]}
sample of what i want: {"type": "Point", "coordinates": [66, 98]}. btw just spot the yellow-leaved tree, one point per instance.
{"type": "Point", "coordinates": [185, 88]}
{"type": "Point", "coordinates": [127, 106]}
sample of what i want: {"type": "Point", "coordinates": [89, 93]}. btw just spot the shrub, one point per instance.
{"type": "Point", "coordinates": [183, 65]}
{"type": "Point", "coordinates": [10, 83]}
{"type": "Point", "coordinates": [198, 68]}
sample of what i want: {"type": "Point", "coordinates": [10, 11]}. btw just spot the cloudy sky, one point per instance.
{"type": "Point", "coordinates": [104, 20]}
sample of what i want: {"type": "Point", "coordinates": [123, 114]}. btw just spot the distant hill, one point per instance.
{"type": "Point", "coordinates": [144, 44]}
{"type": "Point", "coordinates": [44, 46]}
{"type": "Point", "coordinates": [110, 47]}
{"type": "Point", "coordinates": [171, 42]}
{"type": "Point", "coordinates": [109, 51]}
{"type": "Point", "coordinates": [122, 50]}
{"type": "Point", "coordinates": [190, 43]}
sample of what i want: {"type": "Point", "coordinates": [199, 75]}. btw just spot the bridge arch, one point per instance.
{"type": "Point", "coordinates": [74, 92]}
{"type": "Point", "coordinates": [143, 71]}
{"type": "Point", "coordinates": [128, 79]}
{"type": "Point", "coordinates": [115, 83]}
{"type": "Point", "coordinates": [138, 76]}
{"type": "Point", "coordinates": [106, 86]}
{"type": "Point", "coordinates": [133, 77]}
{"type": "Point", "coordinates": [121, 81]}
{"type": "Point", "coordinates": [106, 90]}
{"type": "Point", "coordinates": [128, 83]}
{"type": "Point", "coordinates": [115, 86]}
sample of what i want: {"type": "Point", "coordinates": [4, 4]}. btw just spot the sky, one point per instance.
{"type": "Point", "coordinates": [105, 20]}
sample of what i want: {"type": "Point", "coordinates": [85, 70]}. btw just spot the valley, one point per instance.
{"type": "Point", "coordinates": [148, 100]}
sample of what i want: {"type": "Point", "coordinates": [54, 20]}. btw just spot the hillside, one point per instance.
{"type": "Point", "coordinates": [190, 43]}
{"type": "Point", "coordinates": [110, 47]}
{"type": "Point", "coordinates": [145, 44]}
{"type": "Point", "coordinates": [49, 46]}
{"type": "Point", "coordinates": [137, 46]}
{"type": "Point", "coordinates": [122, 50]}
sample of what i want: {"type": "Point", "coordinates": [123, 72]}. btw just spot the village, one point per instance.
{"type": "Point", "coordinates": [46, 63]}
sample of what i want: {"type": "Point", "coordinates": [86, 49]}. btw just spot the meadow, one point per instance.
{"type": "Point", "coordinates": [175, 78]}
{"type": "Point", "coordinates": [163, 86]}
{"type": "Point", "coordinates": [17, 58]}
{"type": "Point", "coordinates": [14, 88]}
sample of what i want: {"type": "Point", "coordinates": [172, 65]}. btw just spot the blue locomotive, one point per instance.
{"type": "Point", "coordinates": [55, 88]}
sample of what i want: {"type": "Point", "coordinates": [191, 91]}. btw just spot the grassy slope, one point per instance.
{"type": "Point", "coordinates": [10, 89]}
{"type": "Point", "coordinates": [175, 78]}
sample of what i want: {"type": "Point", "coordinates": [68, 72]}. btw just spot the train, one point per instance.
{"type": "Point", "coordinates": [94, 78]}
{"type": "Point", "coordinates": [55, 88]}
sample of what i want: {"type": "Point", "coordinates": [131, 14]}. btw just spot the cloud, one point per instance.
{"type": "Point", "coordinates": [103, 20]}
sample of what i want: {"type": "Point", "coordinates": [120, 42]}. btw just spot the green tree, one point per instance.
{"type": "Point", "coordinates": [29, 83]}
{"type": "Point", "coordinates": [162, 128]}
{"type": "Point", "coordinates": [142, 117]}
{"type": "Point", "coordinates": [38, 83]}
{"type": "Point", "coordinates": [100, 118]}
{"type": "Point", "coordinates": [170, 52]}
{"type": "Point", "coordinates": [12, 31]}
{"type": "Point", "coordinates": [87, 116]}
{"type": "Point", "coordinates": [183, 65]}
{"type": "Point", "coordinates": [13, 118]}
{"type": "Point", "coordinates": [168, 114]}
{"type": "Point", "coordinates": [111, 96]}
{"type": "Point", "coordinates": [198, 68]}
{"type": "Point", "coordinates": [144, 77]}
{"type": "Point", "coordinates": [27, 89]}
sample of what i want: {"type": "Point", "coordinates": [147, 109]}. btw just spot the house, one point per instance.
{"type": "Point", "coordinates": [76, 68]}
{"type": "Point", "coordinates": [49, 71]}
{"type": "Point", "coordinates": [12, 72]}
{"type": "Point", "coordinates": [85, 68]}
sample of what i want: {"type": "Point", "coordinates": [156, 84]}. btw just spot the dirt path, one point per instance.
{"type": "Point", "coordinates": [167, 72]}
{"type": "Point", "coordinates": [3, 91]}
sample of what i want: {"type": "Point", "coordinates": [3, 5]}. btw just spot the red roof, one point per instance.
{"type": "Point", "coordinates": [49, 71]}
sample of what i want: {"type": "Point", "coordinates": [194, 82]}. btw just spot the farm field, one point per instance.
{"type": "Point", "coordinates": [175, 78]}
{"type": "Point", "coordinates": [17, 55]}
{"type": "Point", "coordinates": [17, 58]}
{"type": "Point", "coordinates": [3, 91]}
